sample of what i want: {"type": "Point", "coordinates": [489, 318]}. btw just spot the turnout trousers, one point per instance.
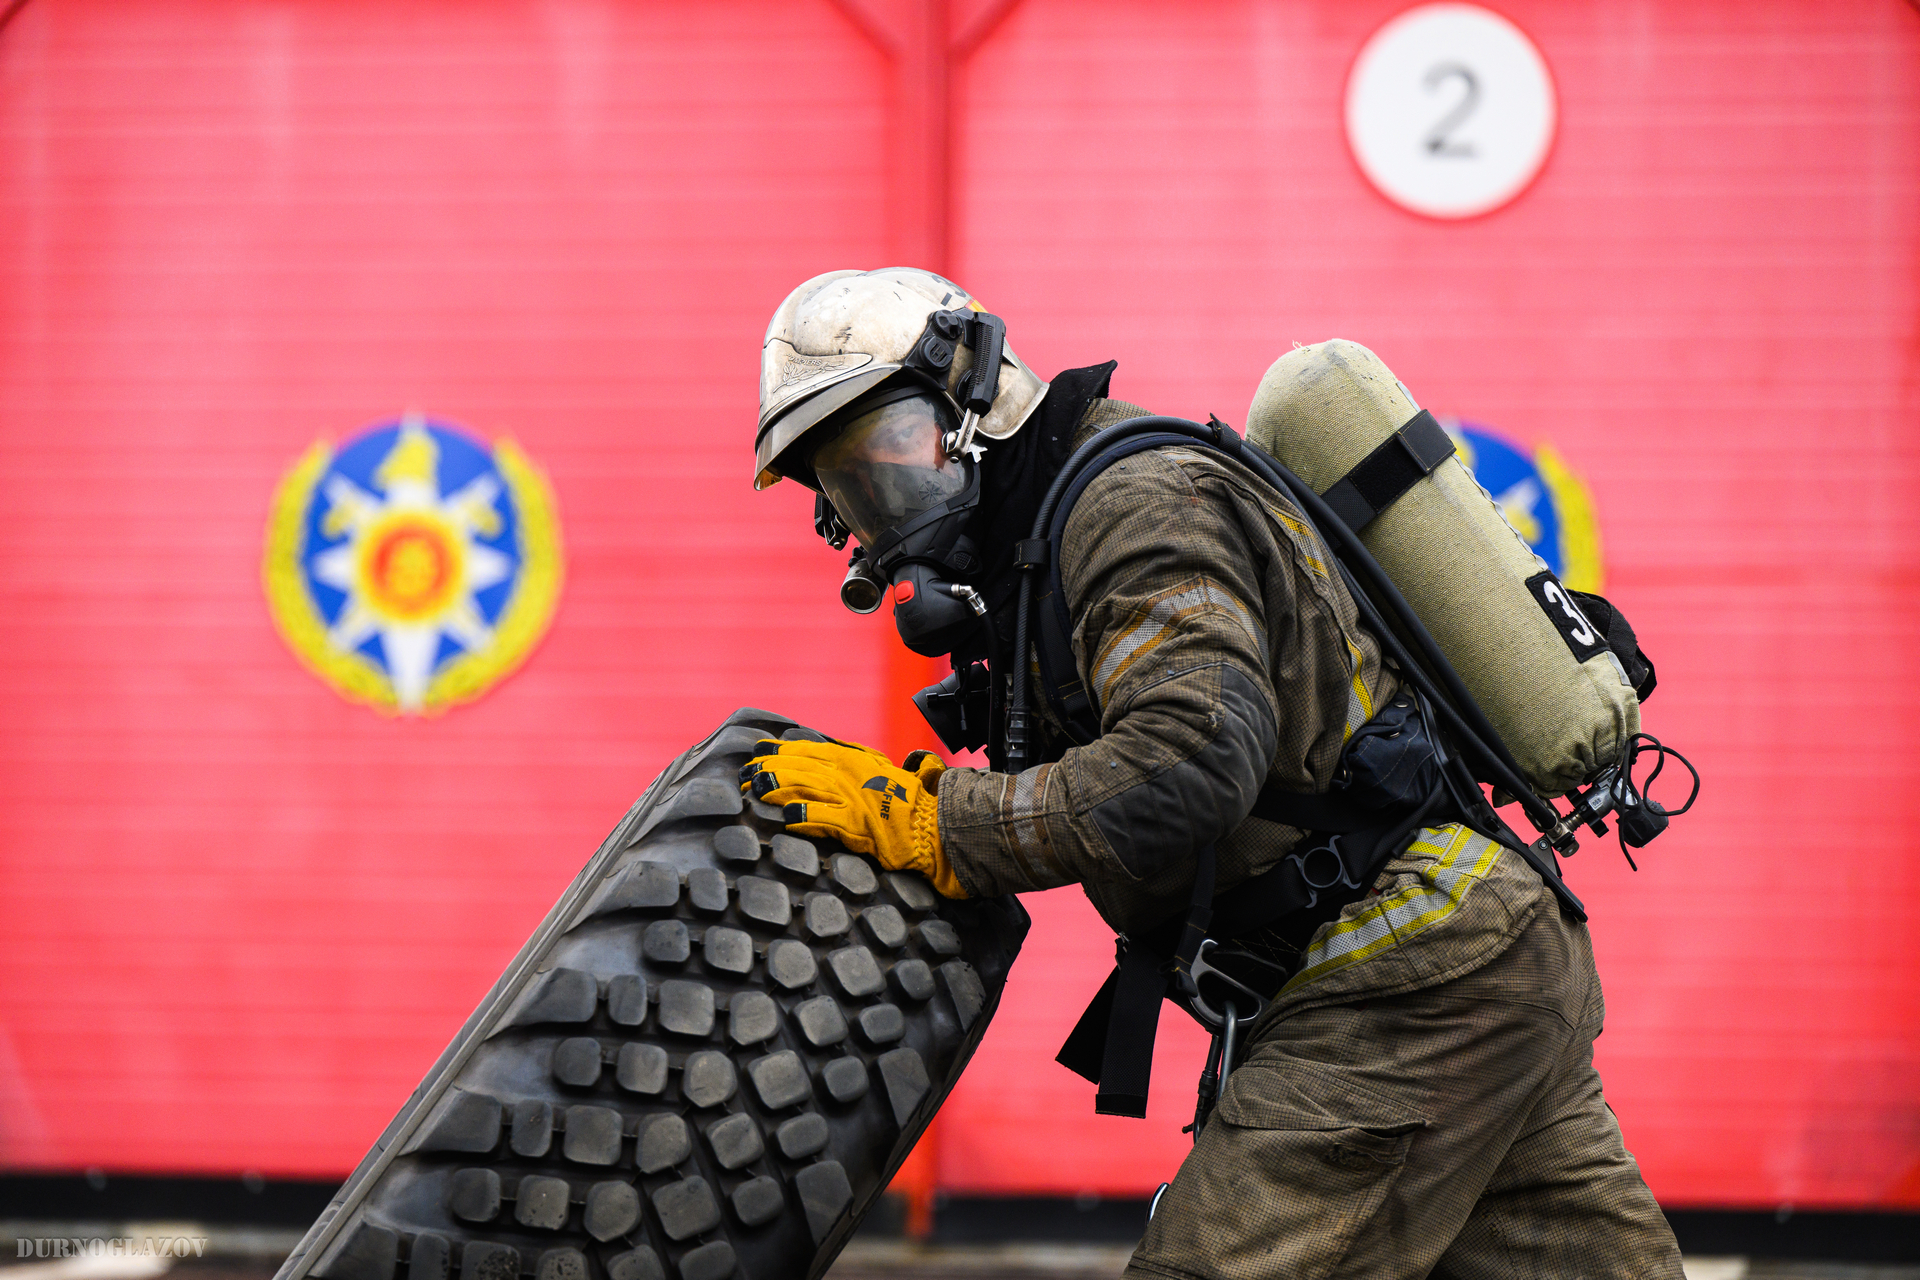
{"type": "Point", "coordinates": [1456, 1130]}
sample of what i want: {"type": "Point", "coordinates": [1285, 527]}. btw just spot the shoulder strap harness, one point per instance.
{"type": "Point", "coordinates": [1113, 1043]}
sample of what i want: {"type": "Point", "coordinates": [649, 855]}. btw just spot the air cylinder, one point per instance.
{"type": "Point", "coordinates": [1516, 638]}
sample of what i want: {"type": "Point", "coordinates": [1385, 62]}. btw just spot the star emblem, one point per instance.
{"type": "Point", "coordinates": [411, 562]}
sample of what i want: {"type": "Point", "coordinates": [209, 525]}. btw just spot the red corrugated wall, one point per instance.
{"type": "Point", "coordinates": [244, 915]}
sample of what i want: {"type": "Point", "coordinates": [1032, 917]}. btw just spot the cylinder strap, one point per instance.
{"type": "Point", "coordinates": [1396, 464]}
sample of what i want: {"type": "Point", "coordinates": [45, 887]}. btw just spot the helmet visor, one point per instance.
{"type": "Point", "coordinates": [887, 465]}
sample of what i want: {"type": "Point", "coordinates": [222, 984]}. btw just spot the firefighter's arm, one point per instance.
{"type": "Point", "coordinates": [1170, 637]}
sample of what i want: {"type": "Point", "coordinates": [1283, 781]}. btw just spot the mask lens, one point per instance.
{"type": "Point", "coordinates": [887, 466]}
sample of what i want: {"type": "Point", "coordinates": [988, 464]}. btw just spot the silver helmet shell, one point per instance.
{"type": "Point", "coordinates": [842, 334]}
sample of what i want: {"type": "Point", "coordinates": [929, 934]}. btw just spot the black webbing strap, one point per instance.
{"type": "Point", "coordinates": [1112, 1044]}
{"type": "Point", "coordinates": [1133, 1019]}
{"type": "Point", "coordinates": [1329, 813]}
{"type": "Point", "coordinates": [1396, 464]}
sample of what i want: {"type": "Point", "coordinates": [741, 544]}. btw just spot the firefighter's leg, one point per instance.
{"type": "Point", "coordinates": [1568, 1199]}
{"type": "Point", "coordinates": [1356, 1140]}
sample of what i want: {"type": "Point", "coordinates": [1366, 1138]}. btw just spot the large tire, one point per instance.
{"type": "Point", "coordinates": [707, 1061]}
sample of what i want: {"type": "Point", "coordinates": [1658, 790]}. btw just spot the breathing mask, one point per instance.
{"type": "Point", "coordinates": [888, 477]}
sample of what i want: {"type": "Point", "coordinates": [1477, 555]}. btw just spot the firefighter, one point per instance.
{"type": "Point", "coordinates": [1418, 1094]}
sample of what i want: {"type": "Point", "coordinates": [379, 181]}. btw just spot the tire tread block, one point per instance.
{"type": "Point", "coordinates": [913, 979]}
{"type": "Point", "coordinates": [885, 926]}
{"type": "Point", "coordinates": [664, 1143]}
{"type": "Point", "coordinates": [593, 1135]}
{"type": "Point", "coordinates": [613, 1209]}
{"type": "Point", "coordinates": [845, 1079]}
{"type": "Point", "coordinates": [964, 987]}
{"type": "Point", "coordinates": [468, 1123]}
{"type": "Point", "coordinates": [686, 1008]}
{"type": "Point", "coordinates": [791, 964]}
{"type": "Point", "coordinates": [561, 1264]}
{"type": "Point", "coordinates": [821, 1022]}
{"type": "Point", "coordinates": [484, 1260]}
{"type": "Point", "coordinates": [735, 1140]}
{"type": "Point", "coordinates": [686, 1208]}
{"type": "Point", "coordinates": [780, 1079]}
{"type": "Point", "coordinates": [707, 890]}
{"type": "Point", "coordinates": [791, 853]}
{"type": "Point", "coordinates": [913, 890]}
{"type": "Point", "coordinates": [627, 999]}
{"type": "Point", "coordinates": [764, 900]}
{"type": "Point", "coordinates": [825, 915]}
{"type": "Point", "coordinates": [561, 995]}
{"type": "Point", "coordinates": [803, 1135]}
{"type": "Point", "coordinates": [728, 950]}
{"type": "Point", "coordinates": [644, 886]}
{"type": "Point", "coordinates": [666, 942]}
{"type": "Point", "coordinates": [857, 972]}
{"type": "Point", "coordinates": [474, 1195]}
{"type": "Point", "coordinates": [713, 1261]}
{"type": "Point", "coordinates": [904, 1072]}
{"type": "Point", "coordinates": [541, 1203]}
{"type": "Point", "coordinates": [428, 1257]}
{"type": "Point", "coordinates": [639, 1263]}
{"type": "Point", "coordinates": [736, 844]}
{"type": "Point", "coordinates": [752, 1017]}
{"type": "Point", "coordinates": [825, 1194]}
{"type": "Point", "coordinates": [758, 1201]}
{"type": "Point", "coordinates": [708, 1079]}
{"type": "Point", "coordinates": [576, 1061]}
{"type": "Point", "coordinates": [854, 874]}
{"type": "Point", "coordinates": [939, 937]}
{"type": "Point", "coordinates": [704, 798]}
{"type": "Point", "coordinates": [532, 1130]}
{"type": "Point", "coordinates": [641, 1068]}
{"type": "Point", "coordinates": [370, 1253]}
{"type": "Point", "coordinates": [882, 1024]}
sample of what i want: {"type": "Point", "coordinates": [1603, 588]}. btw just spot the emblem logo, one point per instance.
{"type": "Point", "coordinates": [1546, 504]}
{"type": "Point", "coordinates": [800, 368]}
{"type": "Point", "coordinates": [413, 567]}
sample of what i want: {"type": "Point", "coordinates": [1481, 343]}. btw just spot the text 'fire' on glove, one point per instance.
{"type": "Point", "coordinates": [857, 796]}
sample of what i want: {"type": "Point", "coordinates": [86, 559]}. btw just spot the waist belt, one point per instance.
{"type": "Point", "coordinates": [1112, 1044]}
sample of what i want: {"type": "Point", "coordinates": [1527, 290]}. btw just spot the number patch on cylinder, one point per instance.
{"type": "Point", "coordinates": [1582, 637]}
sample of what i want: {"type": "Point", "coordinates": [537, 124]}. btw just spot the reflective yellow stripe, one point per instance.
{"type": "Point", "coordinates": [1464, 858]}
{"type": "Point", "coordinates": [1160, 619]}
{"type": "Point", "coordinates": [1300, 529]}
{"type": "Point", "coordinates": [1359, 701]}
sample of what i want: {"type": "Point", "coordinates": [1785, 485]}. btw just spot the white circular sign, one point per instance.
{"type": "Point", "coordinates": [1450, 110]}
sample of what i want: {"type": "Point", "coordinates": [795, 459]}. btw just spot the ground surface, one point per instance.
{"type": "Point", "coordinates": [230, 1254]}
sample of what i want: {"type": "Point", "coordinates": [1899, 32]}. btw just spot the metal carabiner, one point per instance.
{"type": "Point", "coordinates": [1213, 1077]}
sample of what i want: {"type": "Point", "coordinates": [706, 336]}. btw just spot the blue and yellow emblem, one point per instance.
{"type": "Point", "coordinates": [413, 567]}
{"type": "Point", "coordinates": [1545, 502]}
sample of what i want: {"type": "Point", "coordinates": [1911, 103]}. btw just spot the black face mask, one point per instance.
{"type": "Point", "coordinates": [887, 477]}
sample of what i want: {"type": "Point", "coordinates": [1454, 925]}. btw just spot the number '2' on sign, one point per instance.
{"type": "Point", "coordinates": [1450, 110]}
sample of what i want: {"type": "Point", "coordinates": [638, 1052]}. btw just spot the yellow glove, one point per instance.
{"type": "Point", "coordinates": [860, 798]}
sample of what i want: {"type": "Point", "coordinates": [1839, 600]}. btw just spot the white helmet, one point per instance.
{"type": "Point", "coordinates": [839, 336]}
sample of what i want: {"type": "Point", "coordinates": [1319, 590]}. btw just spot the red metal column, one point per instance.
{"type": "Point", "coordinates": [920, 38]}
